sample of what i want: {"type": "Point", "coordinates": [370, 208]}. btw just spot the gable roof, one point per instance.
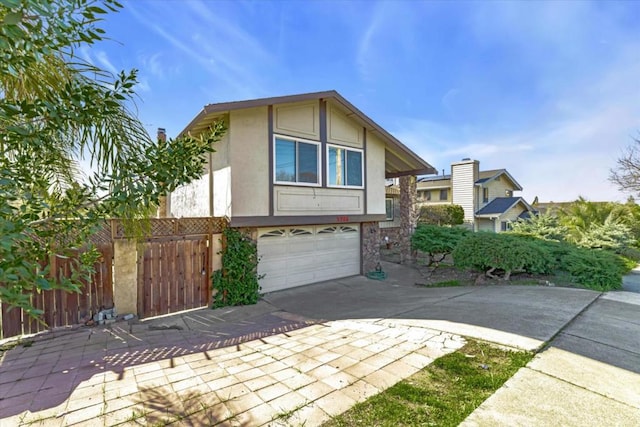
{"type": "Point", "coordinates": [490, 175]}
{"type": "Point", "coordinates": [399, 159]}
{"type": "Point", "coordinates": [483, 178]}
{"type": "Point", "coordinates": [500, 205]}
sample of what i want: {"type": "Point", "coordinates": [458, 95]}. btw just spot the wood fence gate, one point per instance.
{"type": "Point", "coordinates": [174, 275]}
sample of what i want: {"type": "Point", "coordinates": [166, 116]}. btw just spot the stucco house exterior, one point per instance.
{"type": "Point", "coordinates": [487, 197]}
{"type": "Point", "coordinates": [305, 174]}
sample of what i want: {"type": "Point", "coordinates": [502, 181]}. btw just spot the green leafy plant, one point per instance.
{"type": "Point", "coordinates": [436, 241]}
{"type": "Point", "coordinates": [543, 226]}
{"type": "Point", "coordinates": [594, 269]}
{"type": "Point", "coordinates": [237, 282]}
{"type": "Point", "coordinates": [490, 253]}
{"type": "Point", "coordinates": [441, 215]}
{"type": "Point", "coordinates": [57, 110]}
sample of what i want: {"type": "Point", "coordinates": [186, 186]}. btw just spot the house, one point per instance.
{"type": "Point", "coordinates": [487, 197]}
{"type": "Point", "coordinates": [305, 174]}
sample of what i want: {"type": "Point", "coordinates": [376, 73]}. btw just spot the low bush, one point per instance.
{"type": "Point", "coordinates": [490, 252]}
{"type": "Point", "coordinates": [436, 241]}
{"type": "Point", "coordinates": [594, 269]}
{"type": "Point", "coordinates": [441, 215]}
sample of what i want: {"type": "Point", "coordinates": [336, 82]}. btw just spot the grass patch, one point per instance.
{"type": "Point", "coordinates": [442, 394]}
{"type": "Point", "coordinates": [445, 284]}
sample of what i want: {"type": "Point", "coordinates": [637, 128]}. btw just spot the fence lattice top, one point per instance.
{"type": "Point", "coordinates": [165, 227]}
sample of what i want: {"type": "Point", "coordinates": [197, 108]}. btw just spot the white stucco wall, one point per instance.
{"type": "Point", "coordinates": [191, 200]}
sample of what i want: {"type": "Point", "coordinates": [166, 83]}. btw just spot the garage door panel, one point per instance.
{"type": "Point", "coordinates": [294, 257]}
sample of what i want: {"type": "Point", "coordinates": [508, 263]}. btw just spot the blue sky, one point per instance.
{"type": "Point", "coordinates": [548, 90]}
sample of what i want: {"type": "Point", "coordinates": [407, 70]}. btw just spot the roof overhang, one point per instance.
{"type": "Point", "coordinates": [399, 159]}
{"type": "Point", "coordinates": [516, 185]}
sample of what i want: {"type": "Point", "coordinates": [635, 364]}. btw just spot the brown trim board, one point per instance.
{"type": "Point", "coordinates": [268, 221]}
{"type": "Point", "coordinates": [271, 157]}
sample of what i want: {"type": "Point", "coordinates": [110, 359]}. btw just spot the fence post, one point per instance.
{"type": "Point", "coordinates": [125, 276]}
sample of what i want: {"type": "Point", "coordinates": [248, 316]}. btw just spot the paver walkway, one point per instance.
{"type": "Point", "coordinates": [284, 372]}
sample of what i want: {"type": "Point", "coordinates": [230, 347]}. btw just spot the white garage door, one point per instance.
{"type": "Point", "coordinates": [294, 256]}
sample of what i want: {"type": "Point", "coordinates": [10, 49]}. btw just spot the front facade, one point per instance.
{"type": "Point", "coordinates": [487, 197]}
{"type": "Point", "coordinates": [305, 174]}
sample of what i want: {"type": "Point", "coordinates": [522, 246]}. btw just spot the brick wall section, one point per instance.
{"type": "Point", "coordinates": [407, 216]}
{"type": "Point", "coordinates": [370, 246]}
{"type": "Point", "coordinates": [393, 233]}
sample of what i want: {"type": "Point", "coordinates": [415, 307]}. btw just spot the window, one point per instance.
{"type": "Point", "coordinates": [389, 208]}
{"type": "Point", "coordinates": [508, 193]}
{"type": "Point", "coordinates": [444, 194]}
{"type": "Point", "coordinates": [296, 161]}
{"type": "Point", "coordinates": [427, 195]}
{"type": "Point", "coordinates": [485, 195]}
{"type": "Point", "coordinates": [505, 225]}
{"type": "Point", "coordinates": [344, 167]}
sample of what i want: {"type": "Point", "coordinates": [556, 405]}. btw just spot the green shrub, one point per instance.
{"type": "Point", "coordinates": [441, 215]}
{"type": "Point", "coordinates": [594, 269]}
{"type": "Point", "coordinates": [435, 240]}
{"type": "Point", "coordinates": [490, 252]}
{"type": "Point", "coordinates": [237, 282]}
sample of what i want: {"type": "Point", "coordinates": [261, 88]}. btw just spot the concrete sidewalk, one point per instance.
{"type": "Point", "coordinates": [303, 355]}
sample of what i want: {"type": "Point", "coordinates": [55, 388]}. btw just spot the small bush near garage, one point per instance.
{"type": "Point", "coordinates": [437, 241]}
{"type": "Point", "coordinates": [237, 282]}
{"type": "Point", "coordinates": [502, 253]}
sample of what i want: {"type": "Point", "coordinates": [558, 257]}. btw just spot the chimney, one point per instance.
{"type": "Point", "coordinates": [162, 135]}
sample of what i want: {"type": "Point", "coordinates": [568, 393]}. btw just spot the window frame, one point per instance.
{"type": "Point", "coordinates": [485, 195]}
{"type": "Point", "coordinates": [297, 140]}
{"type": "Point", "coordinates": [347, 149]}
{"type": "Point", "coordinates": [392, 217]}
{"type": "Point", "coordinates": [446, 190]}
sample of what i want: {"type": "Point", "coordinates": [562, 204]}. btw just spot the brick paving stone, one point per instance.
{"type": "Point", "coordinates": [244, 403]}
{"type": "Point", "coordinates": [273, 391]}
{"type": "Point", "coordinates": [417, 360]}
{"type": "Point", "coordinates": [260, 382]}
{"type": "Point", "coordinates": [257, 416]}
{"type": "Point", "coordinates": [233, 392]}
{"type": "Point", "coordinates": [186, 384]}
{"type": "Point", "coordinates": [273, 367]}
{"type": "Point", "coordinates": [327, 356]}
{"type": "Point", "coordinates": [86, 415]}
{"type": "Point", "coordinates": [322, 371]}
{"type": "Point", "coordinates": [221, 383]}
{"type": "Point", "coordinates": [335, 403]}
{"type": "Point", "coordinates": [288, 402]}
{"type": "Point", "coordinates": [360, 369]}
{"type": "Point", "coordinates": [339, 380]}
{"type": "Point", "coordinates": [400, 369]}
{"type": "Point", "coordinates": [249, 374]}
{"type": "Point", "coordinates": [361, 391]}
{"type": "Point", "coordinates": [298, 381]}
{"type": "Point", "coordinates": [378, 361]}
{"type": "Point", "coordinates": [315, 390]}
{"type": "Point", "coordinates": [26, 386]}
{"type": "Point", "coordinates": [284, 374]}
{"type": "Point", "coordinates": [342, 362]}
{"type": "Point", "coordinates": [310, 415]}
{"type": "Point", "coordinates": [381, 379]}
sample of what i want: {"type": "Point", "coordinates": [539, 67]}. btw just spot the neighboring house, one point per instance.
{"type": "Point", "coordinates": [487, 197]}
{"type": "Point", "coordinates": [306, 175]}
{"type": "Point", "coordinates": [390, 227]}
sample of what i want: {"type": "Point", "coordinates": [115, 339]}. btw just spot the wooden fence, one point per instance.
{"type": "Point", "coordinates": [174, 267]}
{"type": "Point", "coordinates": [64, 308]}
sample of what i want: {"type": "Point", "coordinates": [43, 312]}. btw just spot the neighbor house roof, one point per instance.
{"type": "Point", "coordinates": [484, 177]}
{"type": "Point", "coordinates": [500, 205]}
{"type": "Point", "coordinates": [399, 159]}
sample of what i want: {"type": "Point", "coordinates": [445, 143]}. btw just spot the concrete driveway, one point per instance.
{"type": "Point", "coordinates": [303, 355]}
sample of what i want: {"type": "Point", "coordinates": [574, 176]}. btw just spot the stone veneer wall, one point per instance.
{"type": "Point", "coordinates": [407, 216]}
{"type": "Point", "coordinates": [370, 242]}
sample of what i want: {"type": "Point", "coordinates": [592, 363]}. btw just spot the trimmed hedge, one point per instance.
{"type": "Point", "coordinates": [595, 269]}
{"type": "Point", "coordinates": [437, 240]}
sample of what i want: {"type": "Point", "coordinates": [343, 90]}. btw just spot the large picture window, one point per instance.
{"type": "Point", "coordinates": [296, 161]}
{"type": "Point", "coordinates": [344, 168]}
